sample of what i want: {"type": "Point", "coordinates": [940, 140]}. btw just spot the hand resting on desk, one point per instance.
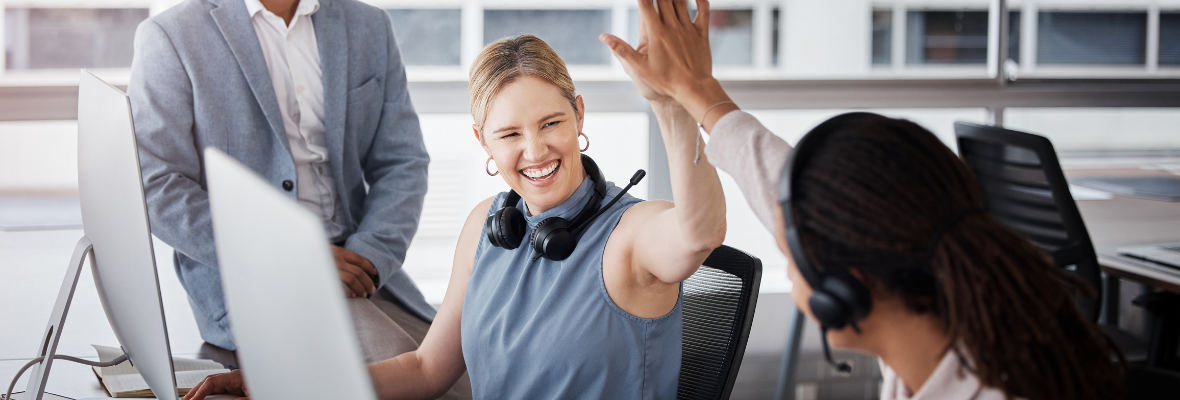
{"type": "Point", "coordinates": [215, 387]}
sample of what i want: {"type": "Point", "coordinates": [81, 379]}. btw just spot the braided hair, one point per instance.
{"type": "Point", "coordinates": [872, 197]}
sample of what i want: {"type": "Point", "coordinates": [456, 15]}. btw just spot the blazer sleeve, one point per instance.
{"type": "Point", "coordinates": [395, 170]}
{"type": "Point", "coordinates": [162, 108]}
{"type": "Point", "coordinates": [742, 147]}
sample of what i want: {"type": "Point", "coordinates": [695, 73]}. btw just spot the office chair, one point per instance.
{"type": "Point", "coordinates": [1026, 190]}
{"type": "Point", "coordinates": [1146, 383]}
{"type": "Point", "coordinates": [719, 301]}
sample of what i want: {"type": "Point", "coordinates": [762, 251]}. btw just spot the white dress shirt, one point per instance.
{"type": "Point", "coordinates": [949, 381]}
{"type": "Point", "coordinates": [293, 59]}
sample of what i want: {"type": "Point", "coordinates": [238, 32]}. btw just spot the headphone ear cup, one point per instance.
{"type": "Point", "coordinates": [506, 228]}
{"type": "Point", "coordinates": [552, 240]}
{"type": "Point", "coordinates": [852, 293]}
{"type": "Point", "coordinates": [828, 309]}
{"type": "Point", "coordinates": [840, 301]}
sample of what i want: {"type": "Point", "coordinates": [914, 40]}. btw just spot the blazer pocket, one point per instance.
{"type": "Point", "coordinates": [365, 92]}
{"type": "Point", "coordinates": [364, 109]}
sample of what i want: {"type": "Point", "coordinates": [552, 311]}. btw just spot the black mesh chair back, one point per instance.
{"type": "Point", "coordinates": [719, 302]}
{"type": "Point", "coordinates": [1027, 191]}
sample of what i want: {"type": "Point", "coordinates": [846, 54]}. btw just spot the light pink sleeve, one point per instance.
{"type": "Point", "coordinates": [743, 148]}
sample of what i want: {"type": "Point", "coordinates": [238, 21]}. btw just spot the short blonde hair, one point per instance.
{"type": "Point", "coordinates": [507, 59]}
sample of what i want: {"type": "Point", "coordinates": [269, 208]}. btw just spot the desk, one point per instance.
{"type": "Point", "coordinates": [1123, 221]}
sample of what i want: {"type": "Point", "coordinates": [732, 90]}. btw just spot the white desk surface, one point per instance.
{"type": "Point", "coordinates": [1123, 221]}
{"type": "Point", "coordinates": [32, 265]}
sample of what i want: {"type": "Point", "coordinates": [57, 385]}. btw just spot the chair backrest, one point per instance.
{"type": "Point", "coordinates": [719, 301]}
{"type": "Point", "coordinates": [1027, 191]}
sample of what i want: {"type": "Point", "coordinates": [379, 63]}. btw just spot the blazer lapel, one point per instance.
{"type": "Point", "coordinates": [234, 22]}
{"type": "Point", "coordinates": [332, 39]}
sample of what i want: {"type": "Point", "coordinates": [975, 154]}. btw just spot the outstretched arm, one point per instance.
{"type": "Point", "coordinates": [438, 362]}
{"type": "Point", "coordinates": [670, 240]}
{"type": "Point", "coordinates": [673, 60]}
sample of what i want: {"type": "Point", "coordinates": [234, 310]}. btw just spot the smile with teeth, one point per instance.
{"type": "Point", "coordinates": [537, 174]}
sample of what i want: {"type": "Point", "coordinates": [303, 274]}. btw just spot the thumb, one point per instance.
{"type": "Point", "coordinates": [621, 49]}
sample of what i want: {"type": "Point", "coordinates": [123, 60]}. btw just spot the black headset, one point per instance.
{"type": "Point", "coordinates": [553, 238]}
{"type": "Point", "coordinates": [837, 299]}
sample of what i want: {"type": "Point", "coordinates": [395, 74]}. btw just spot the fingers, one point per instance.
{"type": "Point", "coordinates": [198, 392]}
{"type": "Point", "coordinates": [681, 7]}
{"type": "Point", "coordinates": [352, 284]}
{"type": "Point", "coordinates": [621, 49]}
{"type": "Point", "coordinates": [363, 278]}
{"type": "Point", "coordinates": [667, 12]}
{"type": "Point", "coordinates": [702, 18]}
{"type": "Point", "coordinates": [214, 384]}
{"type": "Point", "coordinates": [355, 259]}
{"type": "Point", "coordinates": [360, 261]}
{"type": "Point", "coordinates": [647, 13]}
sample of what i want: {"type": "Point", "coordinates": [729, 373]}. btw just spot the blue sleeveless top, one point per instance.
{"type": "Point", "coordinates": [548, 330]}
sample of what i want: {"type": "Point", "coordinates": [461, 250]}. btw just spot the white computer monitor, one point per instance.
{"type": "Point", "coordinates": [287, 311]}
{"type": "Point", "coordinates": [115, 221]}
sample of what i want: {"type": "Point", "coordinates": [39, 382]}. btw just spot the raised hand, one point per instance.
{"type": "Point", "coordinates": [673, 57]}
{"type": "Point", "coordinates": [354, 272]}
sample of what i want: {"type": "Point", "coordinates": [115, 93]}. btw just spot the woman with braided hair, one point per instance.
{"type": "Point", "coordinates": [880, 213]}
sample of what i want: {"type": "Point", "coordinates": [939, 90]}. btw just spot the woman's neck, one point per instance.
{"type": "Point", "coordinates": [912, 345]}
{"type": "Point", "coordinates": [538, 209]}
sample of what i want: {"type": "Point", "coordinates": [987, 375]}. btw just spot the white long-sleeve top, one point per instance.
{"type": "Point", "coordinates": [293, 60]}
{"type": "Point", "coordinates": [742, 147]}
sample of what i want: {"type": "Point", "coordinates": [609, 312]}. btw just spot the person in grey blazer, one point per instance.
{"type": "Point", "coordinates": [211, 73]}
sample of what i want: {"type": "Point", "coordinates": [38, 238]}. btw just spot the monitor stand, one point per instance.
{"type": "Point", "coordinates": [57, 320]}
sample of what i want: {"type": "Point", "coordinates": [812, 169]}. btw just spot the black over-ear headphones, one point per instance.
{"type": "Point", "coordinates": [837, 299]}
{"type": "Point", "coordinates": [553, 238]}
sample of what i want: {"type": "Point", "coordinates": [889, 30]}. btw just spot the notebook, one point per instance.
{"type": "Point", "coordinates": [123, 380]}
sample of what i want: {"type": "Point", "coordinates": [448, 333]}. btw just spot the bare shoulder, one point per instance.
{"type": "Point", "coordinates": [475, 221]}
{"type": "Point", "coordinates": [470, 235]}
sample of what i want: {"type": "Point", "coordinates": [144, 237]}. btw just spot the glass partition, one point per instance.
{"type": "Point", "coordinates": [1095, 38]}
{"type": "Point", "coordinates": [1170, 39]}
{"type": "Point", "coordinates": [51, 38]}
{"type": "Point", "coordinates": [946, 37]}
{"type": "Point", "coordinates": [428, 36]}
{"type": "Point", "coordinates": [572, 33]}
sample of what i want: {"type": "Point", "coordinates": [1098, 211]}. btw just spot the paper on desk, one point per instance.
{"type": "Point", "coordinates": [124, 380]}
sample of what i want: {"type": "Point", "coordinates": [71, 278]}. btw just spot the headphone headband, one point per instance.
{"type": "Point", "coordinates": [788, 184]}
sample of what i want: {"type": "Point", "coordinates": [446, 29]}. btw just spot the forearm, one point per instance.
{"type": "Point", "coordinates": [179, 214]}
{"type": "Point", "coordinates": [699, 201]}
{"type": "Point", "coordinates": [705, 100]}
{"type": "Point", "coordinates": [405, 377]}
{"type": "Point", "coordinates": [742, 147]}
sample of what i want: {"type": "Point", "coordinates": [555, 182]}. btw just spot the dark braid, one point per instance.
{"type": "Point", "coordinates": [871, 198]}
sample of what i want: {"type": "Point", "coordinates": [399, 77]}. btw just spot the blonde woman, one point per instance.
{"type": "Point", "coordinates": [604, 320]}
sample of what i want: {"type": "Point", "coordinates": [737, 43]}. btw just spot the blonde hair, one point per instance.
{"type": "Point", "coordinates": [507, 59]}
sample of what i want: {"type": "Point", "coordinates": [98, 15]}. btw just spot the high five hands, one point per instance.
{"type": "Point", "coordinates": [673, 60]}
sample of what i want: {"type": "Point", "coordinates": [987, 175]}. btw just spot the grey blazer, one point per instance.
{"type": "Point", "coordinates": [199, 80]}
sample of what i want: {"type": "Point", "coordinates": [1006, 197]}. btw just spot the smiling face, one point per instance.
{"type": "Point", "coordinates": [531, 132]}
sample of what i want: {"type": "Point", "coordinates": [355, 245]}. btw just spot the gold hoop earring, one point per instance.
{"type": "Point", "coordinates": [488, 168]}
{"type": "Point", "coordinates": [583, 149]}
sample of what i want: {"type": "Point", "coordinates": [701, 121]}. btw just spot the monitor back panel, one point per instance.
{"type": "Point", "coordinates": [287, 310]}
{"type": "Point", "coordinates": [114, 217]}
